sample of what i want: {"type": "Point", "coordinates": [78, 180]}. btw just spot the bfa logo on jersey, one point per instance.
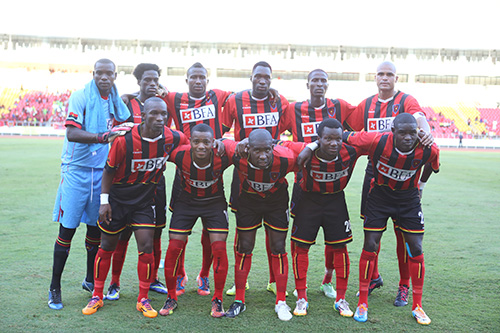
{"type": "Point", "coordinates": [331, 111]}
{"type": "Point", "coordinates": [395, 108]}
{"type": "Point", "coordinates": [274, 176]}
{"type": "Point", "coordinates": [255, 120]}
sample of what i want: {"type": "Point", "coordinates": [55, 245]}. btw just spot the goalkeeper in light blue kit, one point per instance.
{"type": "Point", "coordinates": [89, 129]}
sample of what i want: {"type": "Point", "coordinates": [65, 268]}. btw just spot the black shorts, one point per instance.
{"type": "Point", "coordinates": [402, 206]}
{"type": "Point", "coordinates": [160, 204]}
{"type": "Point", "coordinates": [315, 210]}
{"type": "Point", "coordinates": [128, 216]}
{"type": "Point", "coordinates": [188, 209]}
{"type": "Point", "coordinates": [273, 209]}
{"type": "Point", "coordinates": [235, 190]}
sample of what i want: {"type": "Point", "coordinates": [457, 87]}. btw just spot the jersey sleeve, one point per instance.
{"type": "Point", "coordinates": [230, 147]}
{"type": "Point", "coordinates": [412, 107]}
{"type": "Point", "coordinates": [76, 109]}
{"type": "Point", "coordinates": [287, 118]}
{"type": "Point", "coordinates": [364, 142]}
{"type": "Point", "coordinates": [346, 109]}
{"type": "Point", "coordinates": [435, 158]}
{"type": "Point", "coordinates": [355, 120]}
{"type": "Point", "coordinates": [229, 114]}
{"type": "Point", "coordinates": [117, 153]}
{"type": "Point", "coordinates": [169, 99]}
{"type": "Point", "coordinates": [222, 95]}
{"type": "Point", "coordinates": [183, 138]}
{"type": "Point", "coordinates": [295, 147]}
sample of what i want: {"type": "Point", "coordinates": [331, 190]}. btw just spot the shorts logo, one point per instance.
{"type": "Point", "coordinates": [323, 177]}
{"type": "Point", "coordinates": [274, 176]}
{"type": "Point", "coordinates": [309, 129]}
{"type": "Point", "coordinates": [380, 124]}
{"type": "Point", "coordinates": [294, 229]}
{"type": "Point", "coordinates": [395, 109]}
{"type": "Point", "coordinates": [260, 187]}
{"type": "Point", "coordinates": [256, 120]}
{"type": "Point", "coordinates": [143, 165]}
{"type": "Point", "coordinates": [415, 164]}
{"type": "Point", "coordinates": [198, 114]}
{"type": "Point", "coordinates": [395, 173]}
{"type": "Point", "coordinates": [331, 111]}
{"type": "Point", "coordinates": [201, 183]}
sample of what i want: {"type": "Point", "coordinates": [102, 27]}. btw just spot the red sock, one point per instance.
{"type": "Point", "coordinates": [328, 264]}
{"type": "Point", "coordinates": [172, 260]}
{"type": "Point", "coordinates": [145, 273]}
{"type": "Point", "coordinates": [404, 266]}
{"type": "Point", "coordinates": [375, 273]}
{"type": "Point", "coordinates": [181, 271]}
{"type": "Point", "coordinates": [366, 263]}
{"type": "Point", "coordinates": [280, 267]}
{"type": "Point", "coordinates": [220, 267]}
{"type": "Point", "coordinates": [101, 269]}
{"type": "Point", "coordinates": [157, 258]}
{"type": "Point", "coordinates": [118, 260]}
{"type": "Point", "coordinates": [417, 273]}
{"type": "Point", "coordinates": [241, 269]}
{"type": "Point", "coordinates": [269, 260]}
{"type": "Point", "coordinates": [207, 253]}
{"type": "Point", "coordinates": [300, 262]}
{"type": "Point", "coordinates": [342, 265]}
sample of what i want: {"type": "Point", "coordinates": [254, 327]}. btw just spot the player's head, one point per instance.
{"type": "Point", "coordinates": [202, 141]}
{"type": "Point", "coordinates": [404, 128]}
{"type": "Point", "coordinates": [154, 114]}
{"type": "Point", "coordinates": [260, 148]}
{"type": "Point", "coordinates": [330, 137]}
{"type": "Point", "coordinates": [386, 77]}
{"type": "Point", "coordinates": [197, 80]}
{"type": "Point", "coordinates": [147, 76]}
{"type": "Point", "coordinates": [261, 79]}
{"type": "Point", "coordinates": [317, 82]}
{"type": "Point", "coordinates": [104, 75]}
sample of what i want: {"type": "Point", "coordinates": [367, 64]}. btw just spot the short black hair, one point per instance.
{"type": "Point", "coordinates": [203, 128]}
{"type": "Point", "coordinates": [195, 65]}
{"type": "Point", "coordinates": [141, 68]}
{"type": "Point", "coordinates": [315, 70]}
{"type": "Point", "coordinates": [105, 61]}
{"type": "Point", "coordinates": [404, 118]}
{"type": "Point", "coordinates": [262, 64]}
{"type": "Point", "coordinates": [330, 123]}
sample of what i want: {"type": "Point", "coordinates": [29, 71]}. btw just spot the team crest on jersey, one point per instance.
{"type": "Point", "coordinates": [216, 173]}
{"type": "Point", "coordinates": [274, 176]}
{"type": "Point", "coordinates": [395, 108]}
{"type": "Point", "coordinates": [416, 163]}
{"type": "Point", "coordinates": [331, 111]}
{"type": "Point", "coordinates": [345, 164]}
{"type": "Point", "coordinates": [167, 147]}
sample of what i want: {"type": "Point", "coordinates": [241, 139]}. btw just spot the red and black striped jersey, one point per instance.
{"type": "Point", "coordinates": [139, 163]}
{"type": "Point", "coordinates": [187, 111]}
{"type": "Point", "coordinates": [263, 182]}
{"type": "Point", "coordinates": [135, 107]}
{"type": "Point", "coordinates": [247, 114]}
{"type": "Point", "coordinates": [398, 171]}
{"type": "Point", "coordinates": [373, 115]}
{"type": "Point", "coordinates": [200, 182]}
{"type": "Point", "coordinates": [327, 177]}
{"type": "Point", "coordinates": [302, 119]}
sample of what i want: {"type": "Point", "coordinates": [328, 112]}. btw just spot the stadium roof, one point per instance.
{"type": "Point", "coordinates": [396, 23]}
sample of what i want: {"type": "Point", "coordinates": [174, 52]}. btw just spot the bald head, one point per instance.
{"type": "Point", "coordinates": [259, 135]}
{"type": "Point", "coordinates": [384, 66]}
{"type": "Point", "coordinates": [152, 103]}
{"type": "Point", "coordinates": [260, 148]}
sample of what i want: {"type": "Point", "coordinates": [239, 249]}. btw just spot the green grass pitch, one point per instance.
{"type": "Point", "coordinates": [461, 246]}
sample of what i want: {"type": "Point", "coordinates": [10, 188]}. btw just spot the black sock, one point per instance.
{"type": "Point", "coordinates": [92, 241]}
{"type": "Point", "coordinates": [61, 252]}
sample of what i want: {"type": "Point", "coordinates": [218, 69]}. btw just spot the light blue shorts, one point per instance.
{"type": "Point", "coordinates": [78, 196]}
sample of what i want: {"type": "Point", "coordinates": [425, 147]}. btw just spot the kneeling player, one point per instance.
{"type": "Point", "coordinates": [397, 159]}
{"type": "Point", "coordinates": [321, 203]}
{"type": "Point", "coordinates": [135, 164]}
{"type": "Point", "coordinates": [202, 196]}
{"type": "Point", "coordinates": [263, 195]}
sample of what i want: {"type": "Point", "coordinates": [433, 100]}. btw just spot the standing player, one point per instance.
{"type": "Point", "coordinates": [248, 110]}
{"type": "Point", "coordinates": [397, 160]}
{"type": "Point", "coordinates": [198, 106]}
{"type": "Point", "coordinates": [375, 114]}
{"type": "Point", "coordinates": [263, 195]}
{"type": "Point", "coordinates": [88, 130]}
{"type": "Point", "coordinates": [135, 165]}
{"type": "Point", "coordinates": [302, 120]}
{"type": "Point", "coordinates": [202, 196]}
{"type": "Point", "coordinates": [147, 76]}
{"type": "Point", "coordinates": [321, 203]}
